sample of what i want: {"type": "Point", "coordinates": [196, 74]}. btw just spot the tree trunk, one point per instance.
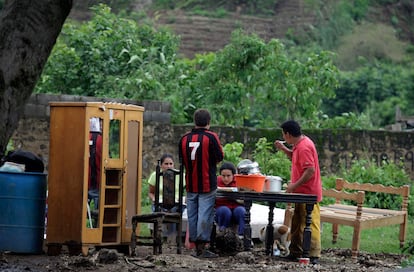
{"type": "Point", "coordinates": [28, 32]}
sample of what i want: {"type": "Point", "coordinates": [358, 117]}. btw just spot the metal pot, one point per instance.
{"type": "Point", "coordinates": [247, 167]}
{"type": "Point", "coordinates": [273, 184]}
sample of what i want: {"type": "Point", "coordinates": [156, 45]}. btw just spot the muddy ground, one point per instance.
{"type": "Point", "coordinates": [252, 261]}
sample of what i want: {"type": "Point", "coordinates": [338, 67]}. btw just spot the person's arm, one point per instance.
{"type": "Point", "coordinates": [151, 187]}
{"type": "Point", "coordinates": [307, 174]}
{"type": "Point", "coordinates": [151, 193]}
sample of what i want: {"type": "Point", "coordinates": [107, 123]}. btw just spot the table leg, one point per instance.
{"type": "Point", "coordinates": [269, 239]}
{"type": "Point", "coordinates": [247, 228]}
{"type": "Point", "coordinates": [307, 233]}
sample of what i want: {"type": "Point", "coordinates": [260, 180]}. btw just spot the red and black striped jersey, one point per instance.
{"type": "Point", "coordinates": [200, 151]}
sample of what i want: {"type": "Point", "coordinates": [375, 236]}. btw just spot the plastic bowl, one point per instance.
{"type": "Point", "coordinates": [253, 182]}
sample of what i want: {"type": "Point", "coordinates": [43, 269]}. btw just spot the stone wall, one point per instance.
{"type": "Point", "coordinates": [335, 148]}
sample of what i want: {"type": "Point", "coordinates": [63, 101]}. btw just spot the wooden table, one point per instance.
{"type": "Point", "coordinates": [271, 199]}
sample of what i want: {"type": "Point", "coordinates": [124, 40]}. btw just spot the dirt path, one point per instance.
{"type": "Point", "coordinates": [253, 261]}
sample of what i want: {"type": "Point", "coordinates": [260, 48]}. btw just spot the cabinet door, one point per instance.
{"type": "Point", "coordinates": [133, 170]}
{"type": "Point", "coordinates": [114, 176]}
{"type": "Point", "coordinates": [93, 176]}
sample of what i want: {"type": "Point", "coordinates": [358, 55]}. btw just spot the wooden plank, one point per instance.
{"type": "Point", "coordinates": [378, 188]}
{"type": "Point", "coordinates": [382, 222]}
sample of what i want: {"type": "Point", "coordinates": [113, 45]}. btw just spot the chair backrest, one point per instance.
{"type": "Point", "coordinates": [403, 191]}
{"type": "Point", "coordinates": [169, 188]}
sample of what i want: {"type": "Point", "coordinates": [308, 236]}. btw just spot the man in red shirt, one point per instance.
{"type": "Point", "coordinates": [306, 179]}
{"type": "Point", "coordinates": [200, 151]}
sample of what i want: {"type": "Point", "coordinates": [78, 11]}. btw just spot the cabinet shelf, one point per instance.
{"type": "Point", "coordinates": [110, 234]}
{"type": "Point", "coordinates": [111, 225]}
{"type": "Point", "coordinates": [111, 215]}
{"type": "Point", "coordinates": [113, 196]}
{"type": "Point", "coordinates": [112, 206]}
{"type": "Point", "coordinates": [113, 187]}
{"type": "Point", "coordinates": [113, 177]}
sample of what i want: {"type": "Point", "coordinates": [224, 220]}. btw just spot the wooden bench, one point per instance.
{"type": "Point", "coordinates": [360, 217]}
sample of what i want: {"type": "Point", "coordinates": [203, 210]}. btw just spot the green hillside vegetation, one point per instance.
{"type": "Point", "coordinates": [364, 42]}
{"type": "Point", "coordinates": [338, 72]}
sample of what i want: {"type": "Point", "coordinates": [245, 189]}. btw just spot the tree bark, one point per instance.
{"type": "Point", "coordinates": [28, 32]}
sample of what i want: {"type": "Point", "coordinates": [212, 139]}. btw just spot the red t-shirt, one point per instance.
{"type": "Point", "coordinates": [305, 156]}
{"type": "Point", "coordinates": [225, 201]}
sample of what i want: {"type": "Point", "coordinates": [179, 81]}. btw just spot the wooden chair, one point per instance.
{"type": "Point", "coordinates": [163, 213]}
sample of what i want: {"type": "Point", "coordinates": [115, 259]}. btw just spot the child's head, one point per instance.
{"type": "Point", "coordinates": [202, 118]}
{"type": "Point", "coordinates": [227, 172]}
{"type": "Point", "coordinates": [167, 162]}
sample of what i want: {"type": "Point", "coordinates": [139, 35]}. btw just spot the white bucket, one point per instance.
{"type": "Point", "coordinates": [273, 184]}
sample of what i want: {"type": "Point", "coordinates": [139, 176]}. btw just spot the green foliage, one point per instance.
{"type": "Point", "coordinates": [371, 86]}
{"type": "Point", "coordinates": [232, 152]}
{"type": "Point", "coordinates": [271, 163]}
{"type": "Point", "coordinates": [10, 147]}
{"type": "Point", "coordinates": [248, 83]}
{"type": "Point", "coordinates": [357, 8]}
{"type": "Point", "coordinates": [111, 56]}
{"type": "Point", "coordinates": [362, 46]}
{"type": "Point", "coordinates": [218, 13]}
{"type": "Point", "coordinates": [346, 120]}
{"type": "Point", "coordinates": [335, 18]}
{"type": "Point", "coordinates": [145, 200]}
{"type": "Point", "coordinates": [409, 262]}
{"type": "Point", "coordinates": [254, 83]}
{"type": "Point", "coordinates": [409, 248]}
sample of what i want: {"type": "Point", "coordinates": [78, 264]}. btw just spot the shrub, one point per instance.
{"type": "Point", "coordinates": [232, 152]}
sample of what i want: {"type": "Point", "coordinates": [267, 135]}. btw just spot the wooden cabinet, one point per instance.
{"type": "Point", "coordinates": [86, 210]}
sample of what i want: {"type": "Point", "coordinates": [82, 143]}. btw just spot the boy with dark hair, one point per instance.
{"type": "Point", "coordinates": [200, 151]}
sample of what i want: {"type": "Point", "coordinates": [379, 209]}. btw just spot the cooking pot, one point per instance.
{"type": "Point", "coordinates": [273, 184]}
{"type": "Point", "coordinates": [247, 167]}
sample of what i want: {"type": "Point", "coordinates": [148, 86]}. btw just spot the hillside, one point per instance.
{"type": "Point", "coordinates": [201, 34]}
{"type": "Point", "coordinates": [204, 34]}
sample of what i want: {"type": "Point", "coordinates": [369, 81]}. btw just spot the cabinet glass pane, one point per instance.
{"type": "Point", "coordinates": [114, 139]}
{"type": "Point", "coordinates": [94, 172]}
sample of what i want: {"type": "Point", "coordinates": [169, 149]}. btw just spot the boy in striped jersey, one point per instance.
{"type": "Point", "coordinates": [200, 151]}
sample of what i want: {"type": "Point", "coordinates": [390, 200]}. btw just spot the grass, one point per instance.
{"type": "Point", "coordinates": [376, 240]}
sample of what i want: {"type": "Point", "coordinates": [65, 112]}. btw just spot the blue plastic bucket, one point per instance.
{"type": "Point", "coordinates": [22, 206]}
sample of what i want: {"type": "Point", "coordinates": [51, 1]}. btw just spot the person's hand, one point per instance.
{"type": "Point", "coordinates": [279, 144]}
{"type": "Point", "coordinates": [291, 187]}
